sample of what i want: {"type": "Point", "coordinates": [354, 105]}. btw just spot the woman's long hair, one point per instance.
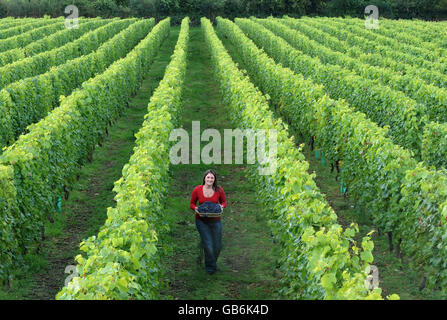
{"type": "Point", "coordinates": [215, 186]}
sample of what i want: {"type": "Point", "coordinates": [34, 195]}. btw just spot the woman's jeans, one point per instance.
{"type": "Point", "coordinates": [211, 234]}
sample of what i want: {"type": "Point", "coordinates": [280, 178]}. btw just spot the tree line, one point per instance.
{"type": "Point", "coordinates": [394, 9]}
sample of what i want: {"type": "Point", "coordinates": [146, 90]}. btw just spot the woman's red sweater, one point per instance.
{"type": "Point", "coordinates": [217, 197]}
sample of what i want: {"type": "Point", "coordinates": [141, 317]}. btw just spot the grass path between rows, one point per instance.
{"type": "Point", "coordinates": [247, 263]}
{"type": "Point", "coordinates": [395, 276]}
{"type": "Point", "coordinates": [85, 211]}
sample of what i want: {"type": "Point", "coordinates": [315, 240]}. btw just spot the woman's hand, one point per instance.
{"type": "Point", "coordinates": [197, 211]}
{"type": "Point", "coordinates": [221, 207]}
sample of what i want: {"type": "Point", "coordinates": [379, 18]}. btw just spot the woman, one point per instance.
{"type": "Point", "coordinates": [210, 229]}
